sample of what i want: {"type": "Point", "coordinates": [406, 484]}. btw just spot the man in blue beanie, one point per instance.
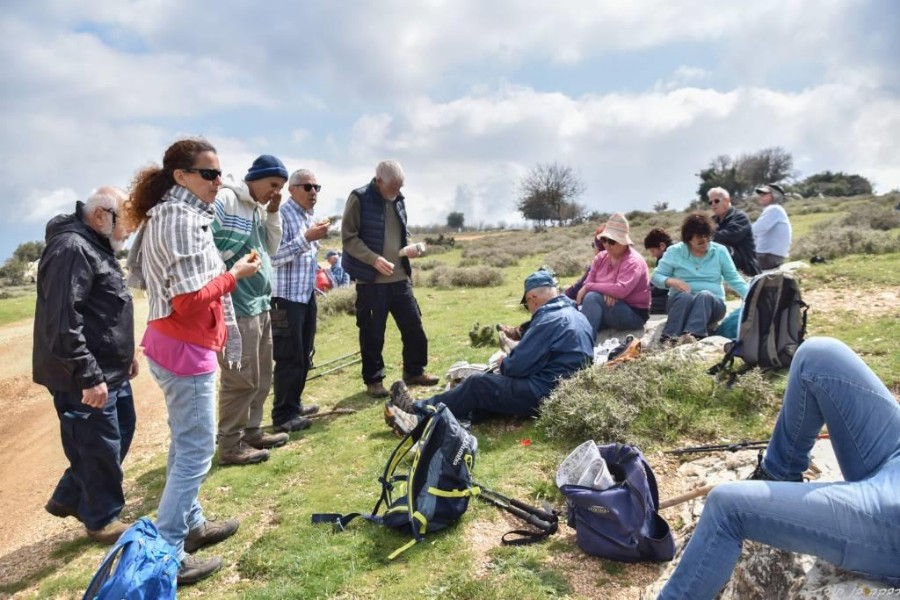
{"type": "Point", "coordinates": [248, 219]}
{"type": "Point", "coordinates": [558, 342]}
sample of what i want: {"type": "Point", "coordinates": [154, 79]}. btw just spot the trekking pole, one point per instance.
{"type": "Point", "coordinates": [338, 359]}
{"type": "Point", "coordinates": [543, 520]}
{"type": "Point", "coordinates": [328, 413]}
{"type": "Point", "coordinates": [732, 447]}
{"type": "Point", "coordinates": [333, 369]}
{"type": "Point", "coordinates": [695, 493]}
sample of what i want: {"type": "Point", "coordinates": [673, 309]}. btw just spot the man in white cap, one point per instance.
{"type": "Point", "coordinates": [773, 228]}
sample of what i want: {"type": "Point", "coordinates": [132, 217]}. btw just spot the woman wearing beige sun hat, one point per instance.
{"type": "Point", "coordinates": [616, 292]}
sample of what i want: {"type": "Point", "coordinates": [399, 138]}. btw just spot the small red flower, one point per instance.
{"type": "Point", "coordinates": [525, 442]}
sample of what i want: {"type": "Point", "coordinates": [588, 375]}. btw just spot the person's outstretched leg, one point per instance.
{"type": "Point", "coordinates": [829, 384]}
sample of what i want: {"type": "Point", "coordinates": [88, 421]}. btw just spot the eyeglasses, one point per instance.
{"type": "Point", "coordinates": [113, 212]}
{"type": "Point", "coordinates": [715, 201]}
{"type": "Point", "coordinates": [608, 241]}
{"type": "Point", "coordinates": [207, 174]}
{"type": "Point", "coordinates": [309, 186]}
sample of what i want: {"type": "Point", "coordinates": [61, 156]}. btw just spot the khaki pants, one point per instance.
{"type": "Point", "coordinates": [242, 393]}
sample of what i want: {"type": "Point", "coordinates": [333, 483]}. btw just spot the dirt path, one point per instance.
{"type": "Point", "coordinates": [32, 456]}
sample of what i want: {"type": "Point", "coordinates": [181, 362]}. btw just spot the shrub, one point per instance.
{"type": "Point", "coordinates": [501, 260]}
{"type": "Point", "coordinates": [482, 335]}
{"type": "Point", "coordinates": [873, 217]}
{"type": "Point", "coordinates": [566, 264]}
{"type": "Point", "coordinates": [834, 241]}
{"type": "Point", "coordinates": [341, 301]}
{"type": "Point", "coordinates": [426, 264]}
{"type": "Point", "coordinates": [448, 277]}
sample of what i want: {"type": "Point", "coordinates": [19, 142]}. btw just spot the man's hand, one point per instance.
{"type": "Point", "coordinates": [274, 202]}
{"type": "Point", "coordinates": [678, 284]}
{"type": "Point", "coordinates": [96, 396]}
{"type": "Point", "coordinates": [133, 371]}
{"type": "Point", "coordinates": [384, 267]}
{"type": "Point", "coordinates": [317, 231]}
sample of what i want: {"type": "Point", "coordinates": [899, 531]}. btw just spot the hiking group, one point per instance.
{"type": "Point", "coordinates": [230, 272]}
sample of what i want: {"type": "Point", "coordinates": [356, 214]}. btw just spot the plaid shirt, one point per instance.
{"type": "Point", "coordinates": [295, 262]}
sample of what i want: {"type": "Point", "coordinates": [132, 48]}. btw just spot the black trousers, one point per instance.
{"type": "Point", "coordinates": [293, 344]}
{"type": "Point", "coordinates": [374, 301]}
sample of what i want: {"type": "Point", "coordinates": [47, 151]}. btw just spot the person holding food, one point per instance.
{"type": "Point", "coordinates": [294, 301]}
{"type": "Point", "coordinates": [247, 220]}
{"type": "Point", "coordinates": [376, 254]}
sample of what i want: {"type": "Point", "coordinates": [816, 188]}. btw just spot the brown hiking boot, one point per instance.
{"type": "Point", "coordinates": [58, 509]}
{"type": "Point", "coordinates": [244, 454]}
{"type": "Point", "coordinates": [376, 390]}
{"type": "Point", "coordinates": [264, 441]}
{"type": "Point", "coordinates": [211, 532]}
{"type": "Point", "coordinates": [399, 420]}
{"type": "Point", "coordinates": [309, 409]}
{"type": "Point", "coordinates": [401, 398]}
{"type": "Point", "coordinates": [194, 569]}
{"type": "Point", "coordinates": [423, 379]}
{"type": "Point", "coordinates": [109, 534]}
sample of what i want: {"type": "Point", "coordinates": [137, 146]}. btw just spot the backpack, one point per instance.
{"type": "Point", "coordinates": [142, 565]}
{"type": "Point", "coordinates": [621, 522]}
{"type": "Point", "coordinates": [772, 324]}
{"type": "Point", "coordinates": [431, 489]}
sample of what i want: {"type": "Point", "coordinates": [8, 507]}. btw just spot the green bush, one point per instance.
{"type": "Point", "coordinates": [426, 264]}
{"type": "Point", "coordinates": [873, 217]}
{"type": "Point", "coordinates": [450, 277]}
{"type": "Point", "coordinates": [566, 264]}
{"type": "Point", "coordinates": [341, 301]}
{"type": "Point", "coordinates": [834, 241]}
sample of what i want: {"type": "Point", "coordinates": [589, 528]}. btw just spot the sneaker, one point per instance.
{"type": "Point", "coordinates": [58, 509]}
{"type": "Point", "coordinates": [109, 534]}
{"type": "Point", "coordinates": [399, 420]}
{"type": "Point", "coordinates": [295, 424]}
{"type": "Point", "coordinates": [244, 454]}
{"type": "Point", "coordinates": [760, 474]}
{"type": "Point", "coordinates": [194, 569]}
{"type": "Point", "coordinates": [401, 398]}
{"type": "Point", "coordinates": [423, 379]}
{"type": "Point", "coordinates": [309, 409]}
{"type": "Point", "coordinates": [211, 532]}
{"type": "Point", "coordinates": [264, 441]}
{"type": "Point", "coordinates": [376, 390]}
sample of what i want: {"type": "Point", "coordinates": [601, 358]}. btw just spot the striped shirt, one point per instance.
{"type": "Point", "coordinates": [295, 262]}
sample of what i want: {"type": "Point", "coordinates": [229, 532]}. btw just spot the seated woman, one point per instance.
{"type": "Point", "coordinates": [694, 270]}
{"type": "Point", "coordinates": [656, 243]}
{"type": "Point", "coordinates": [854, 523]}
{"type": "Point", "coordinates": [616, 292]}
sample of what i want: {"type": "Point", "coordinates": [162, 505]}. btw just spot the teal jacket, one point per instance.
{"type": "Point", "coordinates": [705, 273]}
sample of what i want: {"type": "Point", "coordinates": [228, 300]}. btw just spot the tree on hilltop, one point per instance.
{"type": "Point", "coordinates": [548, 192]}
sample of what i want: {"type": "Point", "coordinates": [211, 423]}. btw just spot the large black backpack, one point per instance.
{"type": "Point", "coordinates": [772, 324]}
{"type": "Point", "coordinates": [427, 481]}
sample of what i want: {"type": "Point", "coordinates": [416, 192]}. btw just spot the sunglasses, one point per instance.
{"type": "Point", "coordinates": [309, 186]}
{"type": "Point", "coordinates": [608, 241]}
{"type": "Point", "coordinates": [113, 212]}
{"type": "Point", "coordinates": [715, 201]}
{"type": "Point", "coordinates": [207, 174]}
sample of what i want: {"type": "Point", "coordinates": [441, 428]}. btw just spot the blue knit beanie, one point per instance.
{"type": "Point", "coordinates": [266, 166]}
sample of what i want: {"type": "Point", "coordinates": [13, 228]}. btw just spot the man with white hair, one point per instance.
{"type": "Point", "coordinates": [84, 355]}
{"type": "Point", "coordinates": [374, 231]}
{"type": "Point", "coordinates": [733, 231]}
{"type": "Point", "coordinates": [773, 228]}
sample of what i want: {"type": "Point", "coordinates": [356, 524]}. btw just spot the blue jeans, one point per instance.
{"type": "Point", "coordinates": [854, 524]}
{"type": "Point", "coordinates": [95, 440]}
{"type": "Point", "coordinates": [480, 396]}
{"type": "Point", "coordinates": [692, 313]}
{"type": "Point", "coordinates": [191, 402]}
{"type": "Point", "coordinates": [618, 316]}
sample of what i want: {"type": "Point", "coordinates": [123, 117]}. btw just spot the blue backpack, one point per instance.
{"type": "Point", "coordinates": [621, 522]}
{"type": "Point", "coordinates": [142, 565]}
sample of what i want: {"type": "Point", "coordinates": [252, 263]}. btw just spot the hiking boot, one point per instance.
{"type": "Point", "coordinates": [376, 390]}
{"type": "Point", "coordinates": [423, 379]}
{"type": "Point", "coordinates": [244, 454]}
{"type": "Point", "coordinates": [58, 509]}
{"type": "Point", "coordinates": [399, 420]}
{"type": "Point", "coordinates": [309, 409]}
{"type": "Point", "coordinates": [760, 474]}
{"type": "Point", "coordinates": [194, 569]}
{"type": "Point", "coordinates": [686, 338]}
{"type": "Point", "coordinates": [109, 534]}
{"type": "Point", "coordinates": [401, 398]}
{"type": "Point", "coordinates": [211, 532]}
{"type": "Point", "coordinates": [264, 441]}
{"type": "Point", "coordinates": [295, 424]}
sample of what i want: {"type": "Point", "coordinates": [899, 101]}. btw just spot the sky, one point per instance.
{"type": "Point", "coordinates": [637, 97]}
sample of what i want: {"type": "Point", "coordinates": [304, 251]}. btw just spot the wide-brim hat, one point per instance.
{"type": "Point", "coordinates": [617, 229]}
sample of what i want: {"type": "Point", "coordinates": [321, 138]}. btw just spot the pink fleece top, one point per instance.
{"type": "Point", "coordinates": [627, 280]}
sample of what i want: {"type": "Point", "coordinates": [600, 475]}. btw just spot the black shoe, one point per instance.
{"type": "Point", "coordinates": [309, 409]}
{"type": "Point", "coordinates": [58, 509]}
{"type": "Point", "coordinates": [423, 379]}
{"type": "Point", "coordinates": [194, 569]}
{"type": "Point", "coordinates": [376, 390]}
{"type": "Point", "coordinates": [295, 424]}
{"type": "Point", "coordinates": [760, 474]}
{"type": "Point", "coordinates": [211, 532]}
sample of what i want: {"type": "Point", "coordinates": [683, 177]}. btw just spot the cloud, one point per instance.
{"type": "Point", "coordinates": [42, 205]}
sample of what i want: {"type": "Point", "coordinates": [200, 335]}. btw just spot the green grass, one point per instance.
{"type": "Point", "coordinates": [17, 307]}
{"type": "Point", "coordinates": [853, 272]}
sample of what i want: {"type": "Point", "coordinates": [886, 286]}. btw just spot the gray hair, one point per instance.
{"type": "Point", "coordinates": [389, 171]}
{"type": "Point", "coordinates": [104, 197]}
{"type": "Point", "coordinates": [299, 174]}
{"type": "Point", "coordinates": [718, 192]}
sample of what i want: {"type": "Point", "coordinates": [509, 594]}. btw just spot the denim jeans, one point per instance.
{"type": "Point", "coordinates": [482, 395]}
{"type": "Point", "coordinates": [692, 313]}
{"type": "Point", "coordinates": [95, 441]}
{"type": "Point", "coordinates": [854, 524]}
{"type": "Point", "coordinates": [191, 402]}
{"type": "Point", "coordinates": [618, 316]}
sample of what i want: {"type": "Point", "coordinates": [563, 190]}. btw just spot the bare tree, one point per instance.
{"type": "Point", "coordinates": [548, 192]}
{"type": "Point", "coordinates": [661, 207]}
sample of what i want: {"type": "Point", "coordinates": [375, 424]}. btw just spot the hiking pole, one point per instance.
{"type": "Point", "coordinates": [333, 369]}
{"type": "Point", "coordinates": [340, 358]}
{"type": "Point", "coordinates": [732, 447]}
{"type": "Point", "coordinates": [547, 522]}
{"type": "Point", "coordinates": [695, 493]}
{"type": "Point", "coordinates": [328, 413]}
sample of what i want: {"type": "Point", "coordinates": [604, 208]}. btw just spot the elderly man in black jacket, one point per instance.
{"type": "Point", "coordinates": [734, 231]}
{"type": "Point", "coordinates": [84, 355]}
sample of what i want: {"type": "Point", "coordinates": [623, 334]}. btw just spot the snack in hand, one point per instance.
{"type": "Point", "coordinates": [254, 255]}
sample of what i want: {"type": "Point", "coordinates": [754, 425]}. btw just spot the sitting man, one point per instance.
{"type": "Point", "coordinates": [656, 243]}
{"type": "Point", "coordinates": [558, 343]}
{"type": "Point", "coordinates": [733, 230]}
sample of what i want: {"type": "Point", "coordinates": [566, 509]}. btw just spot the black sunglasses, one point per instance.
{"type": "Point", "coordinates": [207, 174]}
{"type": "Point", "coordinates": [309, 186]}
{"type": "Point", "coordinates": [608, 241]}
{"type": "Point", "coordinates": [715, 201]}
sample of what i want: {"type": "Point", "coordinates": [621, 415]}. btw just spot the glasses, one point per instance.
{"type": "Point", "coordinates": [608, 241]}
{"type": "Point", "coordinates": [702, 237]}
{"type": "Point", "coordinates": [715, 201]}
{"type": "Point", "coordinates": [207, 174]}
{"type": "Point", "coordinates": [309, 186]}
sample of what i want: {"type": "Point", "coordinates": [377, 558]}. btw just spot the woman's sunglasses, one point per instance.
{"type": "Point", "coordinates": [207, 174]}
